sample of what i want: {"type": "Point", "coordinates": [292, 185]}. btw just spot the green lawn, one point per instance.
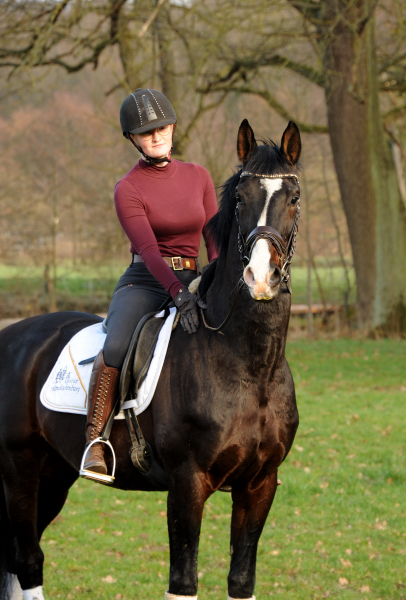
{"type": "Point", "coordinates": [337, 528]}
{"type": "Point", "coordinates": [23, 293]}
{"type": "Point", "coordinates": [89, 289]}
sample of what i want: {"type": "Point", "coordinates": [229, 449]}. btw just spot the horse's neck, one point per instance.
{"type": "Point", "coordinates": [257, 330]}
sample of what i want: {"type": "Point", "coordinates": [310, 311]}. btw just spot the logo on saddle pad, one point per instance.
{"type": "Point", "coordinates": [66, 381]}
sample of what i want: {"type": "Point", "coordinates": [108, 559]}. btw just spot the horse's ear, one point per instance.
{"type": "Point", "coordinates": [291, 145]}
{"type": "Point", "coordinates": [246, 142]}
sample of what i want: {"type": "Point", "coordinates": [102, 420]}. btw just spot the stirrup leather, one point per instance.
{"type": "Point", "coordinates": [92, 474]}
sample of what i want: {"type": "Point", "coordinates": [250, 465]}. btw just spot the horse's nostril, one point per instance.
{"type": "Point", "coordinates": [249, 276]}
{"type": "Point", "coordinates": [275, 276]}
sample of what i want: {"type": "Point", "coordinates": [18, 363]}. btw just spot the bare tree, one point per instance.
{"type": "Point", "coordinates": [342, 57]}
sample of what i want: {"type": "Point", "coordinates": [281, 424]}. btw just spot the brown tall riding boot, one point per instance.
{"type": "Point", "coordinates": [103, 389]}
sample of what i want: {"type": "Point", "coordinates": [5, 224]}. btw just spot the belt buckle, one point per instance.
{"type": "Point", "coordinates": [179, 258]}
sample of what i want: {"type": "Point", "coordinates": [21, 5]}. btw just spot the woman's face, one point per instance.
{"type": "Point", "coordinates": [156, 145]}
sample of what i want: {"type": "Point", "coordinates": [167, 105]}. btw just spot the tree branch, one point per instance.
{"type": "Point", "coordinates": [241, 66]}
{"type": "Point", "coordinates": [308, 8]}
{"type": "Point", "coordinates": [394, 114]}
{"type": "Point", "coordinates": [273, 103]}
{"type": "Point", "coordinates": [151, 19]}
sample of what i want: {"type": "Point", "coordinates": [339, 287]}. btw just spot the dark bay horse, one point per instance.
{"type": "Point", "coordinates": [224, 411]}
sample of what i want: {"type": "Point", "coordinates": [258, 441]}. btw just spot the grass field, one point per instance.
{"type": "Point", "coordinates": [22, 289]}
{"type": "Point", "coordinates": [337, 528]}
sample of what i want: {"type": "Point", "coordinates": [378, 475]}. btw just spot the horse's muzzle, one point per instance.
{"type": "Point", "coordinates": [263, 285]}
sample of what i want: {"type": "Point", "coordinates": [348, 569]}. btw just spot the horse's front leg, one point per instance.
{"type": "Point", "coordinates": [250, 510]}
{"type": "Point", "coordinates": [188, 491]}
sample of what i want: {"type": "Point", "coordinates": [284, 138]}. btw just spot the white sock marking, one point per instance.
{"type": "Point", "coordinates": [34, 594]}
{"type": "Point", "coordinates": [169, 596]}
{"type": "Point", "coordinates": [16, 591]}
{"type": "Point", "coordinates": [271, 186]}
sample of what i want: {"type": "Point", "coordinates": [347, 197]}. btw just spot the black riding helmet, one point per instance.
{"type": "Point", "coordinates": [143, 110]}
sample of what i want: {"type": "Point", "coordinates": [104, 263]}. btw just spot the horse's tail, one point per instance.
{"type": "Point", "coordinates": [6, 539]}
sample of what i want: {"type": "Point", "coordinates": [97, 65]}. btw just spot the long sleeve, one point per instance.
{"type": "Point", "coordinates": [133, 219]}
{"type": "Point", "coordinates": [163, 211]}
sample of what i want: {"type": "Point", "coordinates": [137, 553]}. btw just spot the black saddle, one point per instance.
{"type": "Point", "coordinates": [135, 368]}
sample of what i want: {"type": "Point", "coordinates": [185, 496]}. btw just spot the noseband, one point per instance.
{"type": "Point", "coordinates": [284, 250]}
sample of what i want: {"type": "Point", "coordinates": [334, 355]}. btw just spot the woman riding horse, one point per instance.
{"type": "Point", "coordinates": [223, 415]}
{"type": "Point", "coordinates": [163, 205]}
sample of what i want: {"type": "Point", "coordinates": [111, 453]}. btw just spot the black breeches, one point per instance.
{"type": "Point", "coordinates": [137, 293]}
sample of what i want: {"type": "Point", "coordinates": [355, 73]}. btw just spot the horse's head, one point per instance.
{"type": "Point", "coordinates": [267, 209]}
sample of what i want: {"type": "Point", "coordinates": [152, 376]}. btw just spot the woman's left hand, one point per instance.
{"type": "Point", "coordinates": [186, 303]}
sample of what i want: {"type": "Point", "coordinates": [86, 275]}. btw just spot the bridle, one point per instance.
{"type": "Point", "coordinates": [284, 250]}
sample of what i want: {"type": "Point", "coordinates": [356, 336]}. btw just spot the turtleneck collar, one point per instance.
{"type": "Point", "coordinates": [155, 171]}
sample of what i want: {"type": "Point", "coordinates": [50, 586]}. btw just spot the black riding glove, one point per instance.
{"type": "Point", "coordinates": [186, 302]}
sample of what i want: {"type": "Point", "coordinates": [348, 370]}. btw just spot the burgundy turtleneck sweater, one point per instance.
{"type": "Point", "coordinates": [163, 211]}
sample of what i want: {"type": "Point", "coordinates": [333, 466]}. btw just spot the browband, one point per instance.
{"type": "Point", "coordinates": [279, 176]}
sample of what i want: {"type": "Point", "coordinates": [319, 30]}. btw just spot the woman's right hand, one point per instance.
{"type": "Point", "coordinates": [186, 303]}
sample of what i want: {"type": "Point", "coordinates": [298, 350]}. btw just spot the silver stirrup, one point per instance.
{"type": "Point", "coordinates": [92, 474]}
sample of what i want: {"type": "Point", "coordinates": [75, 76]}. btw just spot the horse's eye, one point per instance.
{"type": "Point", "coordinates": [295, 199]}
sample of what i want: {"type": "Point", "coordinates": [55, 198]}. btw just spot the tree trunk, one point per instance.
{"type": "Point", "coordinates": [167, 74]}
{"type": "Point", "coordinates": [365, 168]}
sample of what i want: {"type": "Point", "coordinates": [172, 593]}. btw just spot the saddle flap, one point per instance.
{"type": "Point", "coordinates": [144, 351]}
{"type": "Point", "coordinates": [127, 368]}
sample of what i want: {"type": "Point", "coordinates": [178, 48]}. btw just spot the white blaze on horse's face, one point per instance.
{"type": "Point", "coordinates": [261, 275]}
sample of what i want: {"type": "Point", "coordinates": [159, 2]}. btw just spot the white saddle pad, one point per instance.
{"type": "Point", "coordinates": [66, 388]}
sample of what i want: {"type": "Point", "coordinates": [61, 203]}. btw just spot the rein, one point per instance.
{"type": "Point", "coordinates": [245, 246]}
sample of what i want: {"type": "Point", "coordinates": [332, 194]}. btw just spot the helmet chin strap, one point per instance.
{"type": "Point", "coordinates": [149, 159]}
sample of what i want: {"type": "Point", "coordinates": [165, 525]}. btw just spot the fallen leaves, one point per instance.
{"type": "Point", "coordinates": [380, 525]}
{"type": "Point", "coordinates": [345, 562]}
{"type": "Point", "coordinates": [343, 581]}
{"type": "Point", "coordinates": [109, 579]}
{"type": "Point", "coordinates": [365, 589]}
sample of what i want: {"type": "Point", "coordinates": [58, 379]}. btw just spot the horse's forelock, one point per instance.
{"type": "Point", "coordinates": [268, 159]}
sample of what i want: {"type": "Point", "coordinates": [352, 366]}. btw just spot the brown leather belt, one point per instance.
{"type": "Point", "coordinates": [177, 263]}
